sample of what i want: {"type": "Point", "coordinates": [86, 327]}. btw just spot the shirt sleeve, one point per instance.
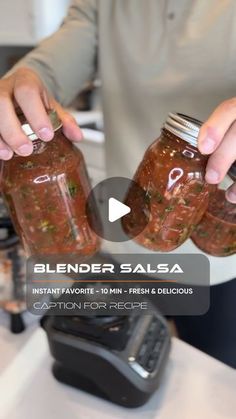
{"type": "Point", "coordinates": [66, 60]}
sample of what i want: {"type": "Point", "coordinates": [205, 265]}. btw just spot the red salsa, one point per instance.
{"type": "Point", "coordinates": [46, 194]}
{"type": "Point", "coordinates": [216, 233]}
{"type": "Point", "coordinates": [172, 174]}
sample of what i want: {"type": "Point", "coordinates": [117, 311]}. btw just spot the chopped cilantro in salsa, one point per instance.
{"type": "Point", "coordinates": [73, 188]}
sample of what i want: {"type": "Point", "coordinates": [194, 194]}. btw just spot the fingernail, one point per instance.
{"type": "Point", "coordinates": [231, 196]}
{"type": "Point", "coordinates": [212, 176]}
{"type": "Point", "coordinates": [207, 146]}
{"type": "Point", "coordinates": [5, 154]}
{"type": "Point", "coordinates": [46, 134]}
{"type": "Point", "coordinates": [25, 149]}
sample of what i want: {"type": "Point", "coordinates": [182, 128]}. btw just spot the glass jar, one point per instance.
{"type": "Point", "coordinates": [172, 173]}
{"type": "Point", "coordinates": [216, 232]}
{"type": "Point", "coordinates": [46, 194]}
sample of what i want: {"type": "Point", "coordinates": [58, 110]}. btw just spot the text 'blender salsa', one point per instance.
{"type": "Point", "coordinates": [46, 194]}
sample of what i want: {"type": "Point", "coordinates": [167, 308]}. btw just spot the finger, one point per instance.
{"type": "Point", "coordinates": [46, 100]}
{"type": "Point", "coordinates": [70, 127]}
{"type": "Point", "coordinates": [30, 99]}
{"type": "Point", "coordinates": [10, 128]}
{"type": "Point", "coordinates": [221, 160]}
{"type": "Point", "coordinates": [231, 193]}
{"type": "Point", "coordinates": [5, 152]}
{"type": "Point", "coordinates": [214, 129]}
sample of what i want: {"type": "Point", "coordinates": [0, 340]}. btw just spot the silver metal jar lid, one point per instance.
{"type": "Point", "coordinates": [55, 121]}
{"type": "Point", "coordinates": [184, 127]}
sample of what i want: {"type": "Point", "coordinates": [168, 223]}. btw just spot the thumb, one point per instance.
{"type": "Point", "coordinates": [70, 127]}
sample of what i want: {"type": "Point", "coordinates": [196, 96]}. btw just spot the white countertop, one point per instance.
{"type": "Point", "coordinates": [195, 386]}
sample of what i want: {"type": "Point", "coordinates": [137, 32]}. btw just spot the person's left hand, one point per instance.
{"type": "Point", "coordinates": [217, 137]}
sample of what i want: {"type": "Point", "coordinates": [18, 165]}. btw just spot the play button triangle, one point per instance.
{"type": "Point", "coordinates": [116, 210]}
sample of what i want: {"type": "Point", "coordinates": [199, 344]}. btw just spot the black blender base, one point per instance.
{"type": "Point", "coordinates": [81, 382]}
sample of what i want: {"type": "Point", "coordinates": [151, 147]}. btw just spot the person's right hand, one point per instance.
{"type": "Point", "coordinates": [24, 89]}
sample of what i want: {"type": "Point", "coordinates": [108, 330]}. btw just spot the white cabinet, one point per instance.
{"type": "Point", "coordinates": [26, 22]}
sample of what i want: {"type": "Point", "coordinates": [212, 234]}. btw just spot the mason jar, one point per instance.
{"type": "Point", "coordinates": [216, 232]}
{"type": "Point", "coordinates": [172, 174]}
{"type": "Point", "coordinates": [46, 194]}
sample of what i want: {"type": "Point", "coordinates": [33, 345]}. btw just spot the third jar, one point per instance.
{"type": "Point", "coordinates": [172, 174]}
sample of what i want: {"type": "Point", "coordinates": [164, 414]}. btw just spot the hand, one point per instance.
{"type": "Point", "coordinates": [25, 90]}
{"type": "Point", "coordinates": [218, 138]}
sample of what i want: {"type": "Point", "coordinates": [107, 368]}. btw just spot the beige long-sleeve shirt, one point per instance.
{"type": "Point", "coordinates": [153, 56]}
